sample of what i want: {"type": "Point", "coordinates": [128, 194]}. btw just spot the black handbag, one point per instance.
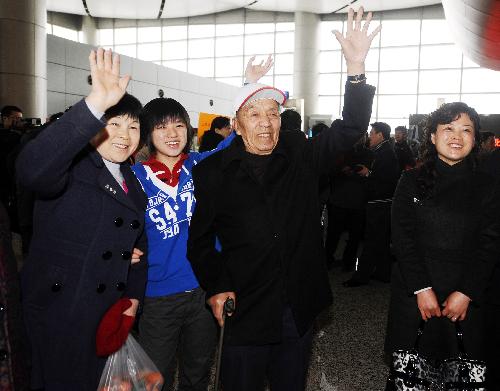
{"type": "Point", "coordinates": [462, 373]}
{"type": "Point", "coordinates": [411, 371]}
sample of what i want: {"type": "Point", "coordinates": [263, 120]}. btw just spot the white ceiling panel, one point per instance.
{"type": "Point", "coordinates": [66, 6]}
{"type": "Point", "coordinates": [148, 9]}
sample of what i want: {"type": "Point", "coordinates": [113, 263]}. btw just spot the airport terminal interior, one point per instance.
{"type": "Point", "coordinates": [379, 254]}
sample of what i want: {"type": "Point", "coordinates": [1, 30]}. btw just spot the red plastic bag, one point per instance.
{"type": "Point", "coordinates": [130, 369]}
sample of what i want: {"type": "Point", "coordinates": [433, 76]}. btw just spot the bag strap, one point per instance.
{"type": "Point", "coordinates": [460, 340]}
{"type": "Point", "coordinates": [420, 332]}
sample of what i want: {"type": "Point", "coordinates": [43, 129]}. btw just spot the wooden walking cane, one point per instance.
{"type": "Point", "coordinates": [227, 309]}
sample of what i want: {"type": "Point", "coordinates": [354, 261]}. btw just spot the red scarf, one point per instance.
{"type": "Point", "coordinates": [171, 178]}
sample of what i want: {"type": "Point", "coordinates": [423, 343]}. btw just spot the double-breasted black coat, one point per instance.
{"type": "Point", "coordinates": [270, 232]}
{"type": "Point", "coordinates": [449, 242]}
{"type": "Point", "coordinates": [85, 228]}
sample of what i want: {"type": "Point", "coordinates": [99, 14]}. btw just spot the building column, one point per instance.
{"type": "Point", "coordinates": [89, 30]}
{"type": "Point", "coordinates": [23, 56]}
{"type": "Point", "coordinates": [306, 62]}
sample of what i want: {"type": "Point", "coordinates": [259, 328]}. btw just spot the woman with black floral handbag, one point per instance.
{"type": "Point", "coordinates": [446, 237]}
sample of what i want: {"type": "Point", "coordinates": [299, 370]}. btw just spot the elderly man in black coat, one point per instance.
{"type": "Point", "coordinates": [88, 221]}
{"type": "Point", "coordinates": [260, 198]}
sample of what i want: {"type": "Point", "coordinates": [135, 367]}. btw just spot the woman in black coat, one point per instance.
{"type": "Point", "coordinates": [88, 219]}
{"type": "Point", "coordinates": [446, 234]}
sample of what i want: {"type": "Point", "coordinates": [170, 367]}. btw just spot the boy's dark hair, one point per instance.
{"type": "Point", "coordinates": [128, 105]}
{"type": "Point", "coordinates": [8, 110]}
{"type": "Point", "coordinates": [219, 123]}
{"type": "Point", "coordinates": [163, 110]}
{"type": "Point", "coordinates": [318, 128]}
{"type": "Point", "coordinates": [291, 120]}
{"type": "Point", "coordinates": [382, 127]}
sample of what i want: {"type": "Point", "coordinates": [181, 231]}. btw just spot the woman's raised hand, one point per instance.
{"type": "Point", "coordinates": [107, 85]}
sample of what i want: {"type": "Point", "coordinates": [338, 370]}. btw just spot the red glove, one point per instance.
{"type": "Point", "coordinates": [114, 328]}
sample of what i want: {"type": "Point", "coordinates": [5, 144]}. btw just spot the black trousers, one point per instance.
{"type": "Point", "coordinates": [492, 313]}
{"type": "Point", "coordinates": [182, 324]}
{"type": "Point", "coordinates": [245, 368]}
{"type": "Point", "coordinates": [340, 220]}
{"type": "Point", "coordinates": [376, 256]}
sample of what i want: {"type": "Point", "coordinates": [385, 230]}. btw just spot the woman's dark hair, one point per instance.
{"type": "Point", "coordinates": [447, 113]}
{"type": "Point", "coordinates": [128, 105]}
{"type": "Point", "coordinates": [219, 123]}
{"type": "Point", "coordinates": [160, 111]}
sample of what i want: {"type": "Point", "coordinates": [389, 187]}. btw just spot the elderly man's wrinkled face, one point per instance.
{"type": "Point", "coordinates": [259, 123]}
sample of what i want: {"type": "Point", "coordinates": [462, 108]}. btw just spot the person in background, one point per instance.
{"type": "Point", "coordinates": [487, 143]}
{"type": "Point", "coordinates": [88, 229]}
{"type": "Point", "coordinates": [318, 128]}
{"type": "Point", "coordinates": [446, 238]}
{"type": "Point", "coordinates": [175, 317]}
{"type": "Point", "coordinates": [380, 181]}
{"type": "Point", "coordinates": [402, 149]}
{"type": "Point", "coordinates": [291, 121]}
{"type": "Point", "coordinates": [219, 130]}
{"type": "Point", "coordinates": [347, 204]}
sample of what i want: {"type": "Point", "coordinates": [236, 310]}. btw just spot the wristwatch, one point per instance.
{"type": "Point", "coordinates": [357, 78]}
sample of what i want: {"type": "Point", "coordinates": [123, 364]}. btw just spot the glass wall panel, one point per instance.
{"type": "Point", "coordinates": [398, 58]}
{"type": "Point", "coordinates": [481, 80]}
{"type": "Point", "coordinates": [429, 103]}
{"type": "Point", "coordinates": [285, 42]}
{"type": "Point", "coordinates": [229, 29]}
{"type": "Point", "coordinates": [234, 81]}
{"type": "Point", "coordinates": [149, 34]}
{"type": "Point", "coordinates": [435, 31]}
{"type": "Point", "coordinates": [284, 83]}
{"type": "Point", "coordinates": [228, 66]}
{"type": "Point", "coordinates": [127, 50]}
{"type": "Point", "coordinates": [63, 32]}
{"type": "Point", "coordinates": [201, 30]}
{"type": "Point", "coordinates": [252, 28]}
{"type": "Point", "coordinates": [288, 26]}
{"type": "Point", "coordinates": [483, 103]}
{"type": "Point", "coordinates": [201, 67]}
{"type": "Point", "coordinates": [149, 51]}
{"type": "Point", "coordinates": [173, 33]}
{"type": "Point", "coordinates": [329, 83]}
{"type": "Point", "coordinates": [440, 56]}
{"type": "Point", "coordinates": [105, 37]}
{"type": "Point", "coordinates": [125, 35]}
{"type": "Point", "coordinates": [259, 44]}
{"type": "Point", "coordinates": [329, 105]}
{"type": "Point", "coordinates": [229, 46]}
{"type": "Point", "coordinates": [327, 40]}
{"type": "Point", "coordinates": [180, 65]}
{"type": "Point", "coordinates": [174, 50]}
{"type": "Point", "coordinates": [400, 32]}
{"type": "Point", "coordinates": [198, 48]}
{"type": "Point", "coordinates": [330, 61]}
{"type": "Point", "coordinates": [283, 64]}
{"type": "Point", "coordinates": [396, 106]}
{"type": "Point", "coordinates": [446, 81]}
{"type": "Point", "coordinates": [397, 82]}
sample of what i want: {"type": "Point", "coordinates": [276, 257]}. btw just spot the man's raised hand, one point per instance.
{"type": "Point", "coordinates": [107, 85]}
{"type": "Point", "coordinates": [357, 41]}
{"type": "Point", "coordinates": [253, 73]}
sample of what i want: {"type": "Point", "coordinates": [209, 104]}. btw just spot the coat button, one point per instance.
{"type": "Point", "coordinates": [135, 224]}
{"type": "Point", "coordinates": [101, 288]}
{"type": "Point", "coordinates": [275, 236]}
{"type": "Point", "coordinates": [2, 311]}
{"type": "Point", "coordinates": [126, 255]}
{"type": "Point", "coordinates": [120, 286]}
{"type": "Point", "coordinates": [56, 287]}
{"type": "Point", "coordinates": [107, 255]}
{"type": "Point", "coordinates": [3, 355]}
{"type": "Point", "coordinates": [118, 221]}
